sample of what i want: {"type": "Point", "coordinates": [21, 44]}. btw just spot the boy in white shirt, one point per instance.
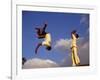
{"type": "Point", "coordinates": [43, 35]}
{"type": "Point", "coordinates": [74, 49]}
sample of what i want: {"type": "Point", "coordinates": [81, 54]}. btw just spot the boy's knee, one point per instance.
{"type": "Point", "coordinates": [48, 48]}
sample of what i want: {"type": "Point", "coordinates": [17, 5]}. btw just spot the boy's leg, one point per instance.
{"type": "Point", "coordinates": [77, 60]}
{"type": "Point", "coordinates": [46, 43]}
{"type": "Point", "coordinates": [73, 58]}
{"type": "Point", "coordinates": [40, 44]}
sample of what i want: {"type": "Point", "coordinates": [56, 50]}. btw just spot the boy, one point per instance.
{"type": "Point", "coordinates": [74, 49]}
{"type": "Point", "coordinates": [43, 35]}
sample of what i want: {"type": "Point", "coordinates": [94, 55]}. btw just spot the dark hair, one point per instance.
{"type": "Point", "coordinates": [48, 48]}
{"type": "Point", "coordinates": [74, 31]}
{"type": "Point", "coordinates": [77, 36]}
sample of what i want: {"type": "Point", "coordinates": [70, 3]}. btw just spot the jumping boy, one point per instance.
{"type": "Point", "coordinates": [41, 34]}
{"type": "Point", "coordinates": [74, 49]}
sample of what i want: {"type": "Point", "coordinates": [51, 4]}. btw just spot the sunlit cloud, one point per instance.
{"type": "Point", "coordinates": [39, 63]}
{"type": "Point", "coordinates": [62, 44]}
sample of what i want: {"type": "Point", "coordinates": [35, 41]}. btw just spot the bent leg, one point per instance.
{"type": "Point", "coordinates": [37, 47]}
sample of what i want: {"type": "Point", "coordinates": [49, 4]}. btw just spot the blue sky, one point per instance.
{"type": "Point", "coordinates": [60, 26]}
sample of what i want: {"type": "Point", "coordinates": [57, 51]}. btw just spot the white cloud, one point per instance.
{"type": "Point", "coordinates": [39, 63]}
{"type": "Point", "coordinates": [66, 61]}
{"type": "Point", "coordinates": [83, 49]}
{"type": "Point", "coordinates": [63, 44]}
{"type": "Point", "coordinates": [84, 20]}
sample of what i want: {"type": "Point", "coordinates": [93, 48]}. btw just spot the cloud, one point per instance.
{"type": "Point", "coordinates": [66, 61]}
{"type": "Point", "coordinates": [84, 52]}
{"type": "Point", "coordinates": [63, 45]}
{"type": "Point", "coordinates": [84, 20]}
{"type": "Point", "coordinates": [39, 63]}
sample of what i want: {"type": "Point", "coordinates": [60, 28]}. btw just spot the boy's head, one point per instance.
{"type": "Point", "coordinates": [73, 32]}
{"type": "Point", "coordinates": [48, 48]}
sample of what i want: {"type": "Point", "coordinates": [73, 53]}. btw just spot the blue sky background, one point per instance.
{"type": "Point", "coordinates": [60, 26]}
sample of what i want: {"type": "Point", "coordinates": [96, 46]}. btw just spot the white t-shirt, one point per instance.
{"type": "Point", "coordinates": [74, 39]}
{"type": "Point", "coordinates": [47, 41]}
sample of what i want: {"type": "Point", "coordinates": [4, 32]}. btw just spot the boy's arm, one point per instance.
{"type": "Point", "coordinates": [73, 36]}
{"type": "Point", "coordinates": [37, 28]}
{"type": "Point", "coordinates": [40, 44]}
{"type": "Point", "coordinates": [45, 25]}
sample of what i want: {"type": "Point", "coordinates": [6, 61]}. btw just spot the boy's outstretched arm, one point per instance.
{"type": "Point", "coordinates": [45, 25]}
{"type": "Point", "coordinates": [36, 28]}
{"type": "Point", "coordinates": [40, 44]}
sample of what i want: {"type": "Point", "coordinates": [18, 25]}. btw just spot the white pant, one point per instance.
{"type": "Point", "coordinates": [75, 58]}
{"type": "Point", "coordinates": [46, 43]}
